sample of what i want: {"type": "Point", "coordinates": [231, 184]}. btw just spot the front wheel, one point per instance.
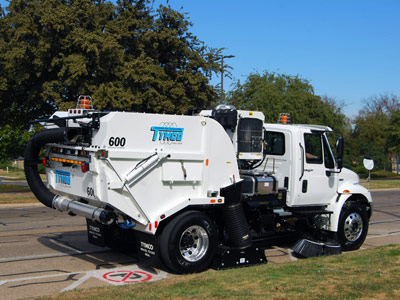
{"type": "Point", "coordinates": [188, 243]}
{"type": "Point", "coordinates": [353, 226]}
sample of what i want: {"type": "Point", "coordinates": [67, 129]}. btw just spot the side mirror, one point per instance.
{"type": "Point", "coordinates": [340, 151]}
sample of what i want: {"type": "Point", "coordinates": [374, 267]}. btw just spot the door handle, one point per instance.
{"type": "Point", "coordinates": [308, 170]}
{"type": "Point", "coordinates": [302, 161]}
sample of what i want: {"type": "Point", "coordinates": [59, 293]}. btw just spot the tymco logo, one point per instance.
{"type": "Point", "coordinates": [167, 133]}
{"type": "Point", "coordinates": [63, 177]}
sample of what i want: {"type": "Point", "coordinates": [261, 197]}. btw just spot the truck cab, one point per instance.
{"type": "Point", "coordinates": [303, 162]}
{"type": "Point", "coordinates": [301, 159]}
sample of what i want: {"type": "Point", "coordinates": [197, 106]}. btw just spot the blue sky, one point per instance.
{"type": "Point", "coordinates": [348, 50]}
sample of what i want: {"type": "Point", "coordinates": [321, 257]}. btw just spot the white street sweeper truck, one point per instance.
{"type": "Point", "coordinates": [213, 188]}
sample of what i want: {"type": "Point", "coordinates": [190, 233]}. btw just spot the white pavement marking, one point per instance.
{"type": "Point", "coordinates": [384, 221]}
{"type": "Point", "coordinates": [292, 258]}
{"type": "Point", "coordinates": [383, 235]}
{"type": "Point", "coordinates": [50, 255]}
{"type": "Point", "coordinates": [284, 250]}
{"type": "Point", "coordinates": [37, 277]}
{"type": "Point", "coordinates": [99, 274]}
{"type": "Point", "coordinates": [78, 283]}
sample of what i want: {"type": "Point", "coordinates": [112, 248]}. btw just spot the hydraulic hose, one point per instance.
{"type": "Point", "coordinates": [31, 160]}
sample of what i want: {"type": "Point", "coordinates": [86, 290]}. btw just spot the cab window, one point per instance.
{"type": "Point", "coordinates": [275, 142]}
{"type": "Point", "coordinates": [313, 145]}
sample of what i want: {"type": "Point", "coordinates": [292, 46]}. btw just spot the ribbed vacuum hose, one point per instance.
{"type": "Point", "coordinates": [31, 160]}
{"type": "Point", "coordinates": [234, 218]}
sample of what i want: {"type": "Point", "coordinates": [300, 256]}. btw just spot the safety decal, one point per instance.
{"type": "Point", "coordinates": [126, 276]}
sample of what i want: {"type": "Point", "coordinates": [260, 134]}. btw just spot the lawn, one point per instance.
{"type": "Point", "coordinates": [16, 198]}
{"type": "Point", "coordinates": [383, 184]}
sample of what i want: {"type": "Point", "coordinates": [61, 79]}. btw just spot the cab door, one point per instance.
{"type": "Point", "coordinates": [317, 185]}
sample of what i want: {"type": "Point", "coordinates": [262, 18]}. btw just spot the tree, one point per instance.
{"type": "Point", "coordinates": [394, 132]}
{"type": "Point", "coordinates": [374, 129]}
{"type": "Point", "coordinates": [370, 136]}
{"type": "Point", "coordinates": [394, 136]}
{"type": "Point", "coordinates": [127, 56]}
{"type": "Point", "coordinates": [12, 142]}
{"type": "Point", "coordinates": [274, 93]}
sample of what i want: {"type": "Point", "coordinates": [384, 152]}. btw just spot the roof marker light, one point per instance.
{"type": "Point", "coordinates": [284, 118]}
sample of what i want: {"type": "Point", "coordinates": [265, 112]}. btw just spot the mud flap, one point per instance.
{"type": "Point", "coordinates": [96, 233]}
{"type": "Point", "coordinates": [227, 257]}
{"type": "Point", "coordinates": [132, 242]}
{"type": "Point", "coordinates": [148, 248]}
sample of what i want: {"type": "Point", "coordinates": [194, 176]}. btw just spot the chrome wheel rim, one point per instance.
{"type": "Point", "coordinates": [194, 243]}
{"type": "Point", "coordinates": [353, 227]}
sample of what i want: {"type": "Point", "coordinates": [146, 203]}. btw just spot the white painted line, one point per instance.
{"type": "Point", "coordinates": [384, 221]}
{"type": "Point", "coordinates": [50, 255]}
{"type": "Point", "coordinates": [77, 283]}
{"type": "Point", "coordinates": [276, 248]}
{"type": "Point", "coordinates": [292, 258]}
{"type": "Point", "coordinates": [38, 277]}
{"type": "Point", "coordinates": [288, 251]}
{"type": "Point", "coordinates": [383, 235]}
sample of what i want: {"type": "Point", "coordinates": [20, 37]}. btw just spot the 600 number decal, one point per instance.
{"type": "Point", "coordinates": [116, 141]}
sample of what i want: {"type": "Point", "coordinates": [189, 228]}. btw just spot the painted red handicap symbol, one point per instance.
{"type": "Point", "coordinates": [127, 276]}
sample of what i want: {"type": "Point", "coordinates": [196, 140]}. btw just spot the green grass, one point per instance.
{"type": "Point", "coordinates": [369, 274]}
{"type": "Point", "coordinates": [12, 175]}
{"type": "Point", "coordinates": [381, 174]}
{"type": "Point", "coordinates": [15, 194]}
{"type": "Point", "coordinates": [16, 176]}
{"type": "Point", "coordinates": [17, 198]}
{"type": "Point", "coordinates": [382, 184]}
{"type": "Point", "coordinates": [10, 188]}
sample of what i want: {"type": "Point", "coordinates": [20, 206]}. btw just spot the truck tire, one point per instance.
{"type": "Point", "coordinates": [189, 242]}
{"type": "Point", "coordinates": [353, 226]}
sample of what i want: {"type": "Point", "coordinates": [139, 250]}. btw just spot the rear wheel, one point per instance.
{"type": "Point", "coordinates": [353, 226]}
{"type": "Point", "coordinates": [188, 243]}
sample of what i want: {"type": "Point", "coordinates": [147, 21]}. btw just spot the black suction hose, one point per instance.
{"type": "Point", "coordinates": [31, 160]}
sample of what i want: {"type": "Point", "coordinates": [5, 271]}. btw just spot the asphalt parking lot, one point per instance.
{"type": "Point", "coordinates": [45, 252]}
